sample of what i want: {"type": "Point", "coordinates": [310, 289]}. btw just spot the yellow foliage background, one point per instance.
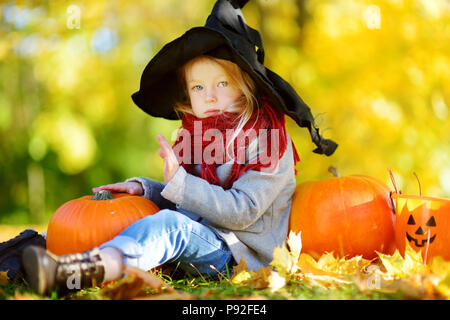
{"type": "Point", "coordinates": [376, 75]}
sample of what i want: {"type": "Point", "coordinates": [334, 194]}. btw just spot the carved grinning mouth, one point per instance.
{"type": "Point", "coordinates": [416, 241]}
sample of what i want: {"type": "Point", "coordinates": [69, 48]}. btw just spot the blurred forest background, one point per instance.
{"type": "Point", "coordinates": [376, 75]}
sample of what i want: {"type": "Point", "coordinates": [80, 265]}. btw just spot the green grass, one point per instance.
{"type": "Point", "coordinates": [198, 289]}
{"type": "Point", "coordinates": [215, 288]}
{"type": "Point", "coordinates": [294, 290]}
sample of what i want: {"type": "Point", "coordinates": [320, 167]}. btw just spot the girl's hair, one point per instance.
{"type": "Point", "coordinates": [239, 78]}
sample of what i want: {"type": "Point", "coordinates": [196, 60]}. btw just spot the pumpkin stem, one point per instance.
{"type": "Point", "coordinates": [420, 189]}
{"type": "Point", "coordinates": [334, 171]}
{"type": "Point", "coordinates": [393, 180]}
{"type": "Point", "coordinates": [103, 195]}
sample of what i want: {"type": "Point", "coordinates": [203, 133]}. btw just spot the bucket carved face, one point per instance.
{"type": "Point", "coordinates": [420, 235]}
{"type": "Point", "coordinates": [423, 223]}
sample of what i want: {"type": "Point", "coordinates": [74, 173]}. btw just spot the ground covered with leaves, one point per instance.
{"type": "Point", "coordinates": [292, 275]}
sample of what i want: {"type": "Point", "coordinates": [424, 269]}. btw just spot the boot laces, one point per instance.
{"type": "Point", "coordinates": [88, 266]}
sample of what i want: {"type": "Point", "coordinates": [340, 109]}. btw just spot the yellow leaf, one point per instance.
{"type": "Point", "coordinates": [176, 295]}
{"type": "Point", "coordinates": [444, 286]}
{"type": "Point", "coordinates": [285, 258]}
{"type": "Point", "coordinates": [261, 278]}
{"type": "Point", "coordinates": [133, 284]}
{"type": "Point", "coordinates": [276, 281]}
{"type": "Point", "coordinates": [392, 263]}
{"type": "Point", "coordinates": [354, 265]}
{"type": "Point", "coordinates": [258, 279]}
{"type": "Point", "coordinates": [329, 263]}
{"type": "Point", "coordinates": [414, 261]}
{"type": "Point", "coordinates": [441, 268]}
{"type": "Point", "coordinates": [416, 286]}
{"type": "Point", "coordinates": [294, 242]}
{"type": "Point", "coordinates": [241, 277]}
{"type": "Point", "coordinates": [325, 280]}
{"type": "Point", "coordinates": [241, 266]}
{"type": "Point", "coordinates": [25, 296]}
{"type": "Point", "coordinates": [3, 278]}
{"type": "Point", "coordinates": [397, 266]}
{"type": "Point", "coordinates": [307, 264]}
{"type": "Point", "coordinates": [240, 272]}
{"type": "Point", "coordinates": [282, 259]}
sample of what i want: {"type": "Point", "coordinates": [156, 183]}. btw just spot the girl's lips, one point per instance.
{"type": "Point", "coordinates": [212, 112]}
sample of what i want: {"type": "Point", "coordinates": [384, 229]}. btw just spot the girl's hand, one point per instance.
{"type": "Point", "coordinates": [170, 160]}
{"type": "Point", "coordinates": [134, 188]}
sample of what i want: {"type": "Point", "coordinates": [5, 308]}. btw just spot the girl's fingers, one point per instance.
{"type": "Point", "coordinates": [98, 189]}
{"type": "Point", "coordinates": [111, 187]}
{"type": "Point", "coordinates": [126, 187]}
{"type": "Point", "coordinates": [165, 146]}
{"type": "Point", "coordinates": [168, 155]}
{"type": "Point", "coordinates": [166, 151]}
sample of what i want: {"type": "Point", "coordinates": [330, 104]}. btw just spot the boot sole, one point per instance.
{"type": "Point", "coordinates": [35, 273]}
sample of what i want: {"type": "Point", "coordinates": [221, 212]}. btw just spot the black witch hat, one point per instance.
{"type": "Point", "coordinates": [227, 36]}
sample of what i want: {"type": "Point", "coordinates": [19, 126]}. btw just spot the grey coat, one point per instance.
{"type": "Point", "coordinates": [252, 217]}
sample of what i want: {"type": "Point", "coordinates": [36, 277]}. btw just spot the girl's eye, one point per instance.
{"type": "Point", "coordinates": [223, 84]}
{"type": "Point", "coordinates": [197, 88]}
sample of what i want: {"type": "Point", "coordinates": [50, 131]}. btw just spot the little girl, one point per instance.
{"type": "Point", "coordinates": [228, 182]}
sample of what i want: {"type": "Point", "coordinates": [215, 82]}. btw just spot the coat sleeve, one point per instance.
{"type": "Point", "coordinates": [152, 191]}
{"type": "Point", "coordinates": [236, 208]}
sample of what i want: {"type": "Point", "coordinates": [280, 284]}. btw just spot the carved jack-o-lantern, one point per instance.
{"type": "Point", "coordinates": [423, 222]}
{"type": "Point", "coordinates": [419, 241]}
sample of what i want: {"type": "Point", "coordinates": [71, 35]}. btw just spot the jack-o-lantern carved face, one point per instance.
{"type": "Point", "coordinates": [423, 224]}
{"type": "Point", "coordinates": [421, 235]}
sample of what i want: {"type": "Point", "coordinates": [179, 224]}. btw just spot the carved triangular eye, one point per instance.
{"type": "Point", "coordinates": [411, 220]}
{"type": "Point", "coordinates": [431, 222]}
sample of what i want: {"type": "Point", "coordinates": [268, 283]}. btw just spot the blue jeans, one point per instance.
{"type": "Point", "coordinates": [170, 236]}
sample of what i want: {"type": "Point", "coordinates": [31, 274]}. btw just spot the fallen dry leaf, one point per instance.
{"type": "Point", "coordinates": [4, 278]}
{"type": "Point", "coordinates": [441, 268]}
{"type": "Point", "coordinates": [328, 265]}
{"type": "Point", "coordinates": [26, 296]}
{"type": "Point", "coordinates": [394, 273]}
{"type": "Point", "coordinates": [255, 279]}
{"type": "Point", "coordinates": [133, 285]}
{"type": "Point", "coordinates": [397, 266]}
{"type": "Point", "coordinates": [166, 296]}
{"type": "Point", "coordinates": [407, 275]}
{"type": "Point", "coordinates": [276, 281]}
{"type": "Point", "coordinates": [241, 266]}
{"type": "Point", "coordinates": [294, 243]}
{"type": "Point", "coordinates": [324, 281]}
{"type": "Point", "coordinates": [285, 258]}
{"type": "Point", "coordinates": [282, 260]}
{"type": "Point", "coordinates": [285, 261]}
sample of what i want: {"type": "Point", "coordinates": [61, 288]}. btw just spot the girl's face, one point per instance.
{"type": "Point", "coordinates": [210, 89]}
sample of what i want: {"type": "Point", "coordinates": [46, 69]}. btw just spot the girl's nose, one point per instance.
{"type": "Point", "coordinates": [210, 96]}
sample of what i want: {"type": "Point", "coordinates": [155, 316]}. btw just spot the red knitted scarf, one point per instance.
{"type": "Point", "coordinates": [204, 140]}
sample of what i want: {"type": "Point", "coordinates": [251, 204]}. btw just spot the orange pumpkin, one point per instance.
{"type": "Point", "coordinates": [89, 221]}
{"type": "Point", "coordinates": [423, 222]}
{"type": "Point", "coordinates": [347, 215]}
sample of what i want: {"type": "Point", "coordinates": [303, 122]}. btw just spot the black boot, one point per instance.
{"type": "Point", "coordinates": [11, 253]}
{"type": "Point", "coordinates": [46, 271]}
